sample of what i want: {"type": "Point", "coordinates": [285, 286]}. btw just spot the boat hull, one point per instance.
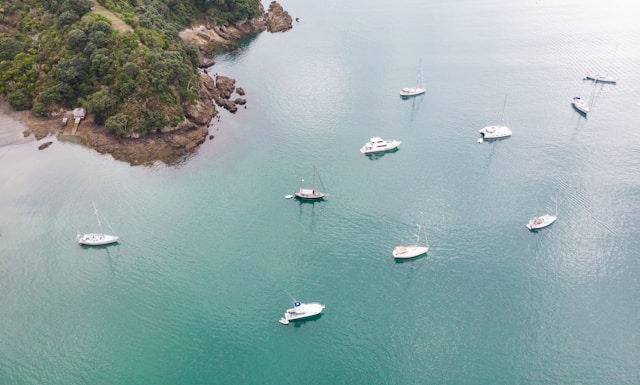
{"type": "Point", "coordinates": [301, 312]}
{"type": "Point", "coordinates": [315, 196]}
{"type": "Point", "coordinates": [495, 132]}
{"type": "Point", "coordinates": [408, 252]}
{"type": "Point", "coordinates": [406, 92]}
{"type": "Point", "coordinates": [96, 239]}
{"type": "Point", "coordinates": [372, 150]}
{"type": "Point", "coordinates": [538, 223]}
{"type": "Point", "coordinates": [580, 105]}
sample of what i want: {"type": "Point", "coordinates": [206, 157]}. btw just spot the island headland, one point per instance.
{"type": "Point", "coordinates": [170, 144]}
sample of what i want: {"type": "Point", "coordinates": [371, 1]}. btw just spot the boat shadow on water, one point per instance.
{"type": "Point", "coordinates": [299, 323]}
{"type": "Point", "coordinates": [492, 140]}
{"type": "Point", "coordinates": [380, 154]}
{"type": "Point", "coordinates": [407, 260]}
{"type": "Point", "coordinates": [541, 229]}
{"type": "Point", "coordinates": [311, 202]}
{"type": "Point", "coordinates": [101, 247]}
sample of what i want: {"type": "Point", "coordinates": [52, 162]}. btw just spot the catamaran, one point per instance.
{"type": "Point", "coordinates": [497, 131]}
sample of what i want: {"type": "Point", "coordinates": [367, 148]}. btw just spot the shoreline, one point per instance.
{"type": "Point", "coordinates": [171, 145]}
{"type": "Point", "coordinates": [170, 148]}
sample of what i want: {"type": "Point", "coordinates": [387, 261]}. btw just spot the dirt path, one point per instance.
{"type": "Point", "coordinates": [116, 22]}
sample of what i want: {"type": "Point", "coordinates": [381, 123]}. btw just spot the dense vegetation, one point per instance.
{"type": "Point", "coordinates": [61, 54]}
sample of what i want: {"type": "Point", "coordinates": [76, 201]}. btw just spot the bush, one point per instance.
{"type": "Point", "coordinates": [9, 47]}
{"type": "Point", "coordinates": [20, 100]}
{"type": "Point", "coordinates": [76, 39]}
{"type": "Point", "coordinates": [118, 124]}
{"type": "Point", "coordinates": [39, 109]}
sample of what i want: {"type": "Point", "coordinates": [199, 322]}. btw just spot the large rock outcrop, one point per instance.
{"type": "Point", "coordinates": [277, 18]}
{"type": "Point", "coordinates": [210, 37]}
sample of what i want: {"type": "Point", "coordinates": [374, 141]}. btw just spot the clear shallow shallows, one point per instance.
{"type": "Point", "coordinates": [211, 250]}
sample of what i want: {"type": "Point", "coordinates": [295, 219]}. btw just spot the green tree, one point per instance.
{"type": "Point", "coordinates": [76, 39]}
{"type": "Point", "coordinates": [9, 47]}
{"type": "Point", "coordinates": [118, 124]}
{"type": "Point", "coordinates": [20, 100]}
{"type": "Point", "coordinates": [68, 18]}
{"type": "Point", "coordinates": [101, 103]}
{"type": "Point", "coordinates": [72, 70]}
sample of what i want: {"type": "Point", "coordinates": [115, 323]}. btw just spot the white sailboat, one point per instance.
{"type": "Point", "coordinates": [309, 194]}
{"type": "Point", "coordinates": [543, 221]}
{"type": "Point", "coordinates": [99, 238]}
{"type": "Point", "coordinates": [582, 105]}
{"type": "Point", "coordinates": [412, 251]}
{"type": "Point", "coordinates": [497, 131]}
{"type": "Point", "coordinates": [418, 89]}
{"type": "Point", "coordinates": [301, 311]}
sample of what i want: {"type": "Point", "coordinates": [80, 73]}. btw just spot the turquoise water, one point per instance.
{"type": "Point", "coordinates": [210, 250]}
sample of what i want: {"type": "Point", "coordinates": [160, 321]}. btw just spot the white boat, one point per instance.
{"type": "Point", "coordinates": [418, 89]}
{"type": "Point", "coordinates": [412, 251]}
{"type": "Point", "coordinates": [309, 194]}
{"type": "Point", "coordinates": [600, 77]}
{"type": "Point", "coordinates": [543, 221]}
{"type": "Point", "coordinates": [301, 311]}
{"type": "Point", "coordinates": [100, 238]}
{"type": "Point", "coordinates": [376, 144]}
{"type": "Point", "coordinates": [580, 105]}
{"type": "Point", "coordinates": [497, 131]}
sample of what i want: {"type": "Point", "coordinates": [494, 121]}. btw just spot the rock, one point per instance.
{"type": "Point", "coordinates": [278, 19]}
{"type": "Point", "coordinates": [225, 86]}
{"type": "Point", "coordinates": [240, 101]}
{"type": "Point", "coordinates": [44, 145]}
{"type": "Point", "coordinates": [206, 62]}
{"type": "Point", "coordinates": [240, 91]}
{"type": "Point", "coordinates": [202, 111]}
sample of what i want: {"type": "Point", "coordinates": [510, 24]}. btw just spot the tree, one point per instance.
{"type": "Point", "coordinates": [9, 47]}
{"type": "Point", "coordinates": [68, 18]}
{"type": "Point", "coordinates": [118, 124]}
{"type": "Point", "coordinates": [80, 7]}
{"type": "Point", "coordinates": [101, 103]}
{"type": "Point", "coordinates": [20, 100]}
{"type": "Point", "coordinates": [76, 39]}
{"type": "Point", "coordinates": [72, 70]}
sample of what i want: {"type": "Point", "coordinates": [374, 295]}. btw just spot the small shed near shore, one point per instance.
{"type": "Point", "coordinates": [78, 114]}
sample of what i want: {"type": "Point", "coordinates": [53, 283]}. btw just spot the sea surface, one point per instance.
{"type": "Point", "coordinates": [211, 252]}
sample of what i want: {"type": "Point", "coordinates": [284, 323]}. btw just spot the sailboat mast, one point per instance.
{"type": "Point", "coordinates": [95, 210]}
{"type": "Point", "coordinates": [314, 178]}
{"type": "Point", "coordinates": [504, 107]}
{"type": "Point", "coordinates": [426, 241]}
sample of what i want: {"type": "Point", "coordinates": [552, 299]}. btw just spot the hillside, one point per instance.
{"type": "Point", "coordinates": [126, 65]}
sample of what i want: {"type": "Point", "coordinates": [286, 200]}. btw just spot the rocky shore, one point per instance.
{"type": "Point", "coordinates": [173, 144]}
